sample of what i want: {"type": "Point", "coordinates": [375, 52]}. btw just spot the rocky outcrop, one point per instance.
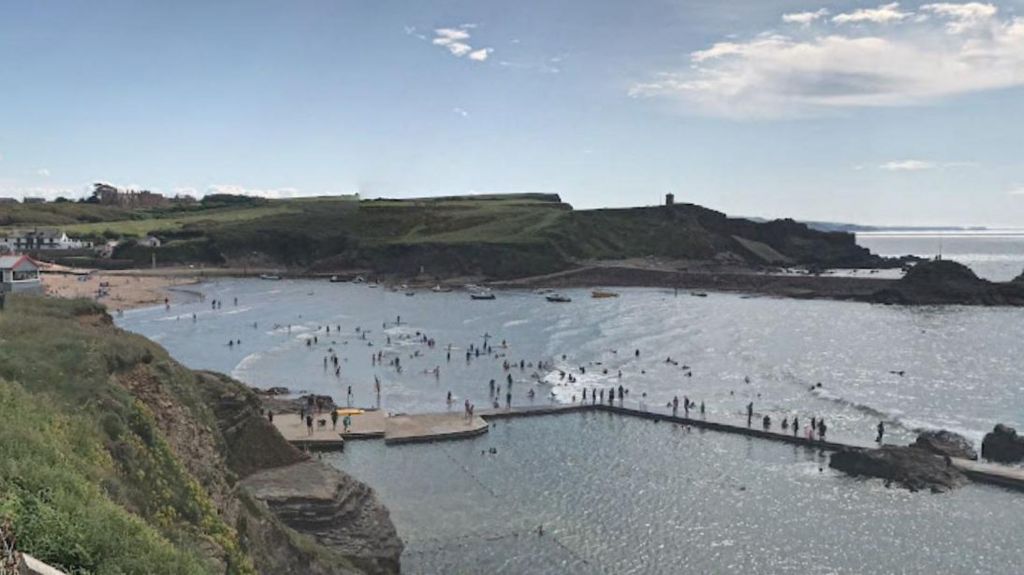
{"type": "Point", "coordinates": [337, 511]}
{"type": "Point", "coordinates": [948, 282]}
{"type": "Point", "coordinates": [220, 434]}
{"type": "Point", "coordinates": [944, 442]}
{"type": "Point", "coordinates": [914, 469]}
{"type": "Point", "coordinates": [1003, 444]}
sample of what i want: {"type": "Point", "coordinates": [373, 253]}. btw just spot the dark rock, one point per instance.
{"type": "Point", "coordinates": [948, 282]}
{"type": "Point", "coordinates": [272, 391]}
{"type": "Point", "coordinates": [1003, 444]}
{"type": "Point", "coordinates": [944, 442]}
{"type": "Point", "coordinates": [336, 510]}
{"type": "Point", "coordinates": [912, 468]}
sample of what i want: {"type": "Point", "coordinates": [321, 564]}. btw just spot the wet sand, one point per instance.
{"type": "Point", "coordinates": [123, 291]}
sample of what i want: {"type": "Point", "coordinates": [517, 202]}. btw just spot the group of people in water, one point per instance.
{"type": "Point", "coordinates": [501, 393]}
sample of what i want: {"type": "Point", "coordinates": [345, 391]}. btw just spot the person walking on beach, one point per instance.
{"type": "Point", "coordinates": [675, 405]}
{"type": "Point", "coordinates": [346, 423]}
{"type": "Point", "coordinates": [334, 420]}
{"type": "Point", "coordinates": [881, 431]}
{"type": "Point", "coordinates": [796, 426]}
{"type": "Point", "coordinates": [508, 399]}
{"type": "Point", "coordinates": [309, 424]}
{"type": "Point", "coordinates": [270, 416]}
{"type": "Point", "coordinates": [750, 413]}
{"type": "Point", "coordinates": [822, 428]}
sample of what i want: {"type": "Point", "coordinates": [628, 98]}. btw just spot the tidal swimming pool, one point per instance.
{"type": "Point", "coordinates": [617, 495]}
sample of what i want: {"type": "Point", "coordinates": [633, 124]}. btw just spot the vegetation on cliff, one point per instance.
{"type": "Point", "coordinates": [116, 459]}
{"type": "Point", "coordinates": [496, 236]}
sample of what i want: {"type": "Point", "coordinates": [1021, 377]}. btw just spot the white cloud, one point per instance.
{"type": "Point", "coordinates": [448, 35]}
{"type": "Point", "coordinates": [461, 112]}
{"type": "Point", "coordinates": [884, 14]}
{"type": "Point", "coordinates": [908, 166]}
{"type": "Point", "coordinates": [919, 165]}
{"type": "Point", "coordinates": [828, 66]}
{"type": "Point", "coordinates": [481, 54]}
{"type": "Point", "coordinates": [260, 192]}
{"type": "Point", "coordinates": [43, 172]}
{"type": "Point", "coordinates": [455, 40]}
{"type": "Point", "coordinates": [804, 18]}
{"type": "Point", "coordinates": [963, 17]}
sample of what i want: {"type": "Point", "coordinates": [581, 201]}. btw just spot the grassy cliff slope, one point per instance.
{"type": "Point", "coordinates": [116, 459]}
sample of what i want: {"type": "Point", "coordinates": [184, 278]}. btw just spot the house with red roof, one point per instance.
{"type": "Point", "coordinates": [19, 274]}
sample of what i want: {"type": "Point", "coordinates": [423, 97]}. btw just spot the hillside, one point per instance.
{"type": "Point", "coordinates": [496, 236]}
{"type": "Point", "coordinates": [116, 459]}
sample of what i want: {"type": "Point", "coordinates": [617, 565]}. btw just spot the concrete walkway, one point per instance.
{"type": "Point", "coordinates": [432, 427]}
{"type": "Point", "coordinates": [409, 428]}
{"type": "Point", "coordinates": [293, 429]}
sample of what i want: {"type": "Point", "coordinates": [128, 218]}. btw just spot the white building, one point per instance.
{"type": "Point", "coordinates": [19, 274]}
{"type": "Point", "coordinates": [38, 239]}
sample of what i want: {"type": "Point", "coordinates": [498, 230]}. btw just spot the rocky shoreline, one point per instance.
{"type": "Point", "coordinates": [927, 283]}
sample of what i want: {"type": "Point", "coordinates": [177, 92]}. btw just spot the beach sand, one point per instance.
{"type": "Point", "coordinates": [124, 291]}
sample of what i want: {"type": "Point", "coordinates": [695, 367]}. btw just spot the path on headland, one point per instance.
{"type": "Point", "coordinates": [418, 428]}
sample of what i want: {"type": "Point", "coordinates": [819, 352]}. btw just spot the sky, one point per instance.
{"type": "Point", "coordinates": [865, 112]}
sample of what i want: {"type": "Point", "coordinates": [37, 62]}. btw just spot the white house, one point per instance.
{"type": "Point", "coordinates": [38, 239]}
{"type": "Point", "coordinates": [19, 274]}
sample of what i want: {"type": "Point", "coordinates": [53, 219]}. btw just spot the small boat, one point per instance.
{"type": "Point", "coordinates": [599, 294]}
{"type": "Point", "coordinates": [358, 280]}
{"type": "Point", "coordinates": [698, 294]}
{"type": "Point", "coordinates": [482, 294]}
{"type": "Point", "coordinates": [272, 277]}
{"type": "Point", "coordinates": [558, 298]}
{"type": "Point", "coordinates": [410, 293]}
{"type": "Point", "coordinates": [335, 279]}
{"type": "Point", "coordinates": [440, 289]}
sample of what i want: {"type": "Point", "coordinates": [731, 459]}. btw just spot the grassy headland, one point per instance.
{"type": "Point", "coordinates": [495, 236]}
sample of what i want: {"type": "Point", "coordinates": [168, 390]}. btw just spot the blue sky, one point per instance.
{"type": "Point", "coordinates": [864, 112]}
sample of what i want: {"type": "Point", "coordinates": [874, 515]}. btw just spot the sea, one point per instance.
{"type": "Point", "coordinates": [597, 493]}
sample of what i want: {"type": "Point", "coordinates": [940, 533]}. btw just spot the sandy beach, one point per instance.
{"type": "Point", "coordinates": [122, 291]}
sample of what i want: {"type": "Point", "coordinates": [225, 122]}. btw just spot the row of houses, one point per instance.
{"type": "Point", "coordinates": [38, 239]}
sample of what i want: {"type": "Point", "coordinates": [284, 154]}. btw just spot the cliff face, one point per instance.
{"type": "Point", "coordinates": [150, 458]}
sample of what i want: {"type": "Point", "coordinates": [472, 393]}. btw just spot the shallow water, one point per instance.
{"type": "Point", "coordinates": [618, 495]}
{"type": "Point", "coordinates": [961, 366]}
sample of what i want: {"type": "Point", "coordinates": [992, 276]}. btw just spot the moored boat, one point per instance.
{"type": "Point", "coordinates": [481, 294]}
{"type": "Point", "coordinates": [558, 298]}
{"type": "Point", "coordinates": [440, 289]}
{"type": "Point", "coordinates": [335, 279]}
{"type": "Point", "coordinates": [272, 277]}
{"type": "Point", "coordinates": [599, 294]}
